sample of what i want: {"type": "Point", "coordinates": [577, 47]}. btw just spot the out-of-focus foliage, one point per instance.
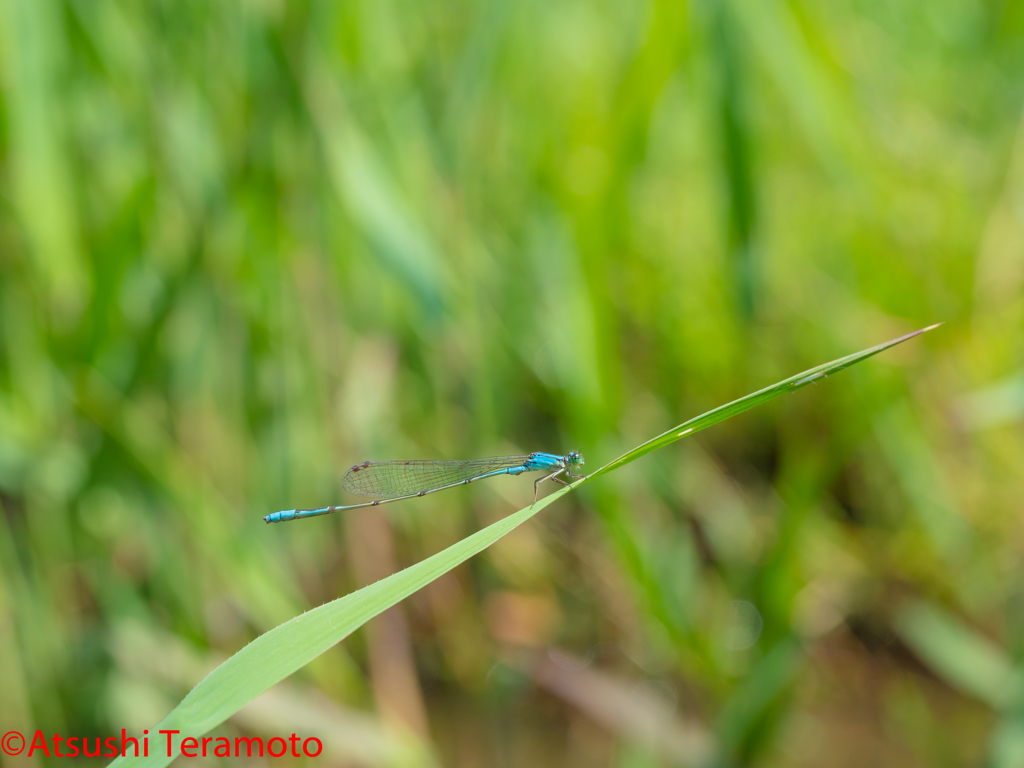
{"type": "Point", "coordinates": [245, 244]}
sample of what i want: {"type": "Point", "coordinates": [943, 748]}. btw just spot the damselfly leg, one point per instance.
{"type": "Point", "coordinates": [552, 476]}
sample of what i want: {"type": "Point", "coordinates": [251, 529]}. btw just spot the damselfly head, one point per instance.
{"type": "Point", "coordinates": [575, 458]}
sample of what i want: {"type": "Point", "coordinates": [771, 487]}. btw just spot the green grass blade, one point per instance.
{"type": "Point", "coordinates": [278, 653]}
{"type": "Point", "coordinates": [723, 412]}
{"type": "Point", "coordinates": [961, 656]}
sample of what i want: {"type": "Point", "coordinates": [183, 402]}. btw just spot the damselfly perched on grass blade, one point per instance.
{"type": "Point", "coordinates": [387, 481]}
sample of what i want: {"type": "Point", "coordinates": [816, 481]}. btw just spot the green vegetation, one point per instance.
{"type": "Point", "coordinates": [244, 245]}
{"type": "Point", "coordinates": [285, 649]}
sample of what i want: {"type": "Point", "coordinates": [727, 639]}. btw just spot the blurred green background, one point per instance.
{"type": "Point", "coordinates": [244, 245]}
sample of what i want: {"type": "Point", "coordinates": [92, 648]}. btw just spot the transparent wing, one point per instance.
{"type": "Point", "coordinates": [388, 479]}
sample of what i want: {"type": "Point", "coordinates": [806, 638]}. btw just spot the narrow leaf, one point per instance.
{"type": "Point", "coordinates": [962, 657]}
{"type": "Point", "coordinates": [278, 653]}
{"type": "Point", "coordinates": [729, 410]}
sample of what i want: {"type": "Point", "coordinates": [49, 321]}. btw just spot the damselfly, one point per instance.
{"type": "Point", "coordinates": [387, 481]}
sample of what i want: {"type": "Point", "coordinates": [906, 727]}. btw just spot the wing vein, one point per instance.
{"type": "Point", "coordinates": [387, 479]}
